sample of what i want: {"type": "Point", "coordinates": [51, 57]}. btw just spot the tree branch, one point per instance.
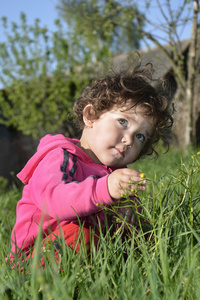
{"type": "Point", "coordinates": [179, 76]}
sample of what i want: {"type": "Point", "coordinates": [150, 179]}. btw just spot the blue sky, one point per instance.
{"type": "Point", "coordinates": [43, 9]}
{"type": "Point", "coordinates": [46, 11]}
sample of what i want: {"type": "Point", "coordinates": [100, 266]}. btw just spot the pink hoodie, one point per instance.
{"type": "Point", "coordinates": [61, 182]}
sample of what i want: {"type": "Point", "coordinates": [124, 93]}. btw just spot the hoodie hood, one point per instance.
{"type": "Point", "coordinates": [47, 143]}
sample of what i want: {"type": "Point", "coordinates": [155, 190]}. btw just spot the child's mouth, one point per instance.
{"type": "Point", "coordinates": [121, 152]}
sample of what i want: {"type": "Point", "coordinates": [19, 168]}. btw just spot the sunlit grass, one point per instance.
{"type": "Point", "coordinates": [165, 264]}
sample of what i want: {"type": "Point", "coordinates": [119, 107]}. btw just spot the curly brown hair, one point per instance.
{"type": "Point", "coordinates": [130, 89]}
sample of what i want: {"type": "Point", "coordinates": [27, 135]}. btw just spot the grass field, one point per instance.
{"type": "Point", "coordinates": [164, 265]}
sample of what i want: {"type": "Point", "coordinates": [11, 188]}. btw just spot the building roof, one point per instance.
{"type": "Point", "coordinates": [155, 55]}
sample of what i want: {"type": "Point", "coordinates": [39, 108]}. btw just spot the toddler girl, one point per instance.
{"type": "Point", "coordinates": [122, 116]}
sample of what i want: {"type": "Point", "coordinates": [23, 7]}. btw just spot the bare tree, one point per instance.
{"type": "Point", "coordinates": [187, 74]}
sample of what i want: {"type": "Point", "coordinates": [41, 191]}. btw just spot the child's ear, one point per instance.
{"type": "Point", "coordinates": [88, 114]}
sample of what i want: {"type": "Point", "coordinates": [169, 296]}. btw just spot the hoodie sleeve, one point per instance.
{"type": "Point", "coordinates": [63, 191]}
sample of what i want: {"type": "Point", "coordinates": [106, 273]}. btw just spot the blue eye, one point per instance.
{"type": "Point", "coordinates": [123, 122]}
{"type": "Point", "coordinates": [141, 137]}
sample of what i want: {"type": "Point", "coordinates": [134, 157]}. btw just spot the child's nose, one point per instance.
{"type": "Point", "coordinates": [128, 139]}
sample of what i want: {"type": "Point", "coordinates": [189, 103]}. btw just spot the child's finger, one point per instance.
{"type": "Point", "coordinates": [135, 188]}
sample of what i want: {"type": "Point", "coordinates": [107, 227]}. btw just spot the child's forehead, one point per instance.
{"type": "Point", "coordinates": [131, 110]}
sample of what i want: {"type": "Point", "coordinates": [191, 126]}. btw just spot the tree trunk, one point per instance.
{"type": "Point", "coordinates": [196, 100]}
{"type": "Point", "coordinates": [190, 108]}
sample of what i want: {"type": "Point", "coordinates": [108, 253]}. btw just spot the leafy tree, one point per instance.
{"type": "Point", "coordinates": [38, 79]}
{"type": "Point", "coordinates": [103, 25]}
{"type": "Point", "coordinates": [42, 72]}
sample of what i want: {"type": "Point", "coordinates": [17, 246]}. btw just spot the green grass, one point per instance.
{"type": "Point", "coordinates": [164, 266]}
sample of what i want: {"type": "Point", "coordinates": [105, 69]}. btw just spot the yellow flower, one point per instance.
{"type": "Point", "coordinates": [198, 153]}
{"type": "Point", "coordinates": [118, 220]}
{"type": "Point", "coordinates": [193, 156]}
{"type": "Point", "coordinates": [142, 175]}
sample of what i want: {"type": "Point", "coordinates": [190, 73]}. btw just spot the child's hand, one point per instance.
{"type": "Point", "coordinates": [120, 181]}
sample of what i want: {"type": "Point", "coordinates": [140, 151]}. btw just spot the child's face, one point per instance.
{"type": "Point", "coordinates": [117, 137]}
